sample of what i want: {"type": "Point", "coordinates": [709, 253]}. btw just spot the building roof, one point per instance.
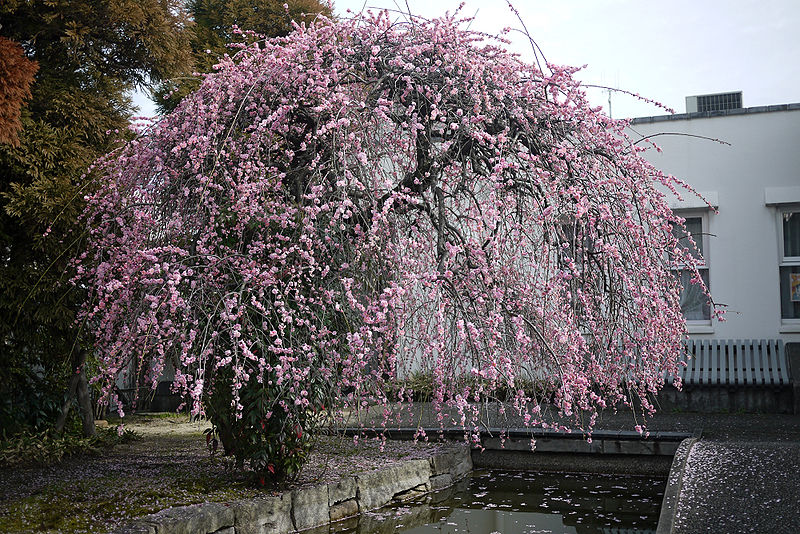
{"type": "Point", "coordinates": [710, 114]}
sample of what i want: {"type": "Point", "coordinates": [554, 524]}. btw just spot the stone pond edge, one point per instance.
{"type": "Point", "coordinates": [305, 508]}
{"type": "Point", "coordinates": [669, 504]}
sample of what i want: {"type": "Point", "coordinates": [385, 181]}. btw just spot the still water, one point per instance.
{"type": "Point", "coordinates": [524, 503]}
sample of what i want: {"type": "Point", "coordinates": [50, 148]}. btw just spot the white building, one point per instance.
{"type": "Point", "coordinates": [751, 243]}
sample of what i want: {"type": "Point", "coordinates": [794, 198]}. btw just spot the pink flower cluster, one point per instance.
{"type": "Point", "coordinates": [364, 200]}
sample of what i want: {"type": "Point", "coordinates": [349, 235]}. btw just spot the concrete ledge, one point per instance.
{"type": "Point", "coordinates": [628, 446]}
{"type": "Point", "coordinates": [272, 514]}
{"type": "Point", "coordinates": [723, 398]}
{"type": "Point", "coordinates": [669, 504]}
{"type": "Point", "coordinates": [379, 488]}
{"type": "Point", "coordinates": [722, 113]}
{"type": "Point", "coordinates": [793, 357]}
{"type": "Point", "coordinates": [208, 517]}
{"type": "Point", "coordinates": [547, 440]}
{"type": "Point", "coordinates": [304, 508]}
{"type": "Point", "coordinates": [558, 462]}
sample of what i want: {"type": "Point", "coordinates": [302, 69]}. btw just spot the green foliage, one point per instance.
{"type": "Point", "coordinates": [213, 32]}
{"type": "Point", "coordinates": [90, 55]}
{"type": "Point", "coordinates": [48, 448]}
{"type": "Point", "coordinates": [420, 387]}
{"type": "Point", "coordinates": [101, 44]}
{"type": "Point", "coordinates": [271, 435]}
{"type": "Point", "coordinates": [33, 402]}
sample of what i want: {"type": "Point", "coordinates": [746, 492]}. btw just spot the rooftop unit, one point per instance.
{"type": "Point", "coordinates": [714, 102]}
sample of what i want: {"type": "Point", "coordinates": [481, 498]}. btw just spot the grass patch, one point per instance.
{"type": "Point", "coordinates": [94, 505]}
{"type": "Point", "coordinates": [100, 503]}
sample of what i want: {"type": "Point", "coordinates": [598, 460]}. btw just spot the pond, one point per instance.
{"type": "Point", "coordinates": [520, 502]}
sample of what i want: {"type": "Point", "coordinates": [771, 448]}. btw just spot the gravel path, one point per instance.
{"type": "Point", "coordinates": [740, 486]}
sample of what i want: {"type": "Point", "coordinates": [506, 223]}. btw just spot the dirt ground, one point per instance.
{"type": "Point", "coordinates": [169, 466]}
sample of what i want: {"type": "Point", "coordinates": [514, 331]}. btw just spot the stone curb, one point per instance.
{"type": "Point", "coordinates": [305, 508]}
{"type": "Point", "coordinates": [669, 505]}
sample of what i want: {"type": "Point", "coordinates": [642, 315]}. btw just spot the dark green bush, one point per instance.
{"type": "Point", "coordinates": [272, 435]}
{"type": "Point", "coordinates": [48, 448]}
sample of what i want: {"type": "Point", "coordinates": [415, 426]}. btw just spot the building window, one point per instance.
{"type": "Point", "coordinates": [695, 305]}
{"type": "Point", "coordinates": [789, 263]}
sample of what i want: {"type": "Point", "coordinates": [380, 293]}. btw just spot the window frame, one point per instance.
{"type": "Point", "coordinates": [698, 326]}
{"type": "Point", "coordinates": [785, 261]}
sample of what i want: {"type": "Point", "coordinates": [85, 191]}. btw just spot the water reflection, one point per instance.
{"type": "Point", "coordinates": [522, 503]}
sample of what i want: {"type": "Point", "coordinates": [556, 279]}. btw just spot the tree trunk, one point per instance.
{"type": "Point", "coordinates": [78, 384]}
{"type": "Point", "coordinates": [62, 417]}
{"type": "Point", "coordinates": [85, 405]}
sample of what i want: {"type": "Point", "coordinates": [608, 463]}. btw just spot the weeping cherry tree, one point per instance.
{"type": "Point", "coordinates": [364, 199]}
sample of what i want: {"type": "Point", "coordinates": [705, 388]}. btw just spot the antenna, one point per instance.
{"type": "Point", "coordinates": [609, 88]}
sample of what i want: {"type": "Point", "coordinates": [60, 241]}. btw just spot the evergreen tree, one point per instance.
{"type": "Point", "coordinates": [215, 21]}
{"type": "Point", "coordinates": [90, 54]}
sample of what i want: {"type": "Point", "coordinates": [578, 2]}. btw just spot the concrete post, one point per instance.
{"type": "Point", "coordinates": [793, 356]}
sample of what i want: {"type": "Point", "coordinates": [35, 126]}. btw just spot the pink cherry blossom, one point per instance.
{"type": "Point", "coordinates": [362, 200]}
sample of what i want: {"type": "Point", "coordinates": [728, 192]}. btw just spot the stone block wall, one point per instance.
{"type": "Point", "coordinates": [304, 508]}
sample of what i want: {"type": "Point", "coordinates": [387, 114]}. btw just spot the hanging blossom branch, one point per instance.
{"type": "Point", "coordinates": [335, 210]}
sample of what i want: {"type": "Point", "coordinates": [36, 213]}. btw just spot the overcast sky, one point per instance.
{"type": "Point", "coordinates": [664, 50]}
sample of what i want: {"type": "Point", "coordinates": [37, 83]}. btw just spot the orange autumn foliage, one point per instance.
{"type": "Point", "coordinates": [16, 77]}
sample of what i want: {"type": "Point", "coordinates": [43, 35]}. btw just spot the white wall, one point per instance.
{"type": "Point", "coordinates": [743, 251]}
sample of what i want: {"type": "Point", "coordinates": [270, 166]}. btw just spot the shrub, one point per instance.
{"type": "Point", "coordinates": [48, 447]}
